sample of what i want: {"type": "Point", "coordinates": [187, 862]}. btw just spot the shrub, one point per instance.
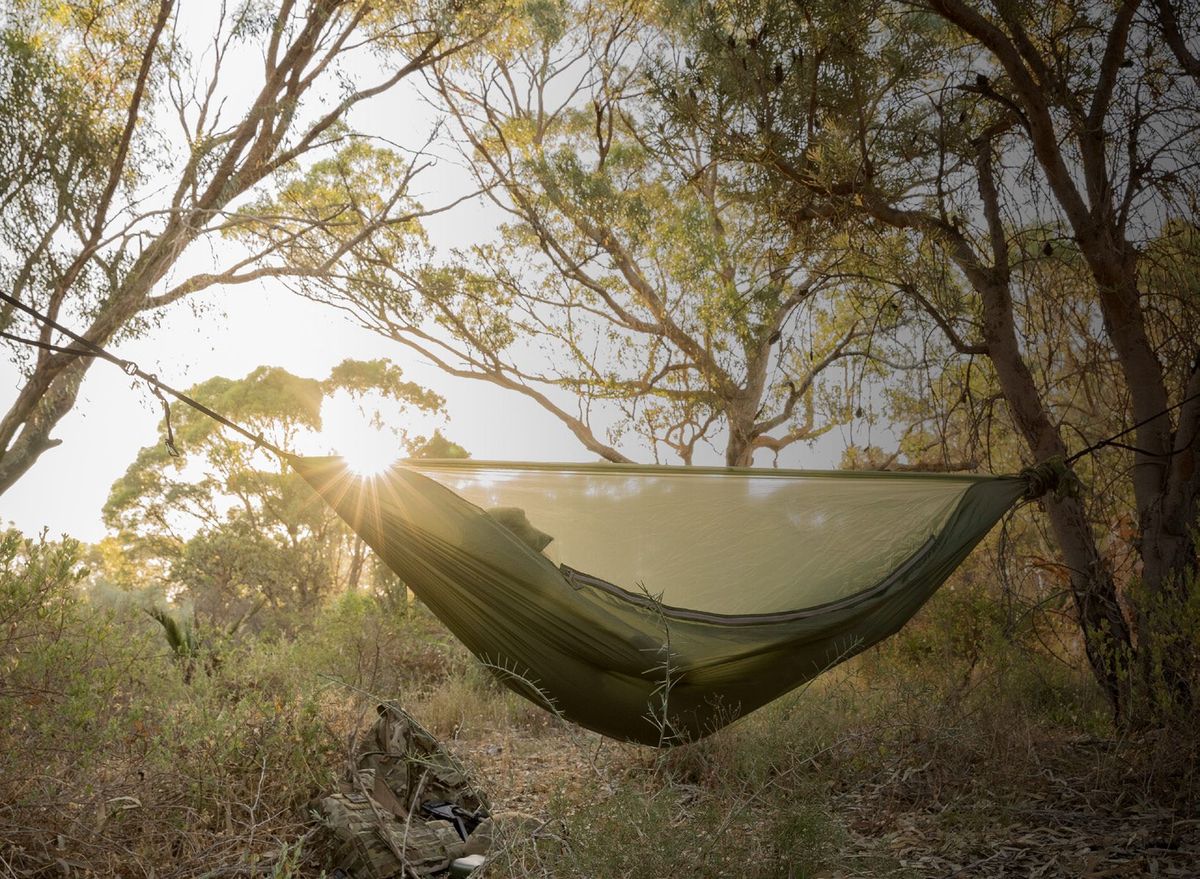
{"type": "Point", "coordinates": [111, 763]}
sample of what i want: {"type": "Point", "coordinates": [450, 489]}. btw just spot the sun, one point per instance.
{"type": "Point", "coordinates": [369, 452]}
{"type": "Point", "coordinates": [367, 448]}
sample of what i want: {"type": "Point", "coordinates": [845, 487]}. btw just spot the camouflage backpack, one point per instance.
{"type": "Point", "coordinates": [404, 808]}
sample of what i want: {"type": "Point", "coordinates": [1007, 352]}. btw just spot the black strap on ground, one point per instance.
{"type": "Point", "coordinates": [90, 349]}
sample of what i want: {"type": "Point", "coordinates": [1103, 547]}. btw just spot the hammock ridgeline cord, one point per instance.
{"type": "Point", "coordinates": [90, 349]}
{"type": "Point", "coordinates": [1112, 440]}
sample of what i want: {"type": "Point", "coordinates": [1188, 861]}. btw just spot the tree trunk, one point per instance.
{"type": "Point", "coordinates": [1163, 473]}
{"type": "Point", "coordinates": [739, 449]}
{"type": "Point", "coordinates": [356, 564]}
{"type": "Point", "coordinates": [1169, 565]}
{"type": "Point", "coordinates": [34, 437]}
{"type": "Point", "coordinates": [1106, 634]}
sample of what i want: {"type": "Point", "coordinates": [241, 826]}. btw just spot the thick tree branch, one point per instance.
{"type": "Point", "coordinates": [1168, 21]}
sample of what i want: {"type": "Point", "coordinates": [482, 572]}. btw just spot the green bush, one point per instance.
{"type": "Point", "coordinates": [110, 761]}
{"type": "Point", "coordinates": [69, 676]}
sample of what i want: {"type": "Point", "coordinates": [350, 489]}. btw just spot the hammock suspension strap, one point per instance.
{"type": "Point", "coordinates": [130, 368]}
{"type": "Point", "coordinates": [1054, 475]}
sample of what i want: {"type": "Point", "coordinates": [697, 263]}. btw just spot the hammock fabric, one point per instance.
{"type": "Point", "coordinates": [748, 582]}
{"type": "Point", "coordinates": [657, 604]}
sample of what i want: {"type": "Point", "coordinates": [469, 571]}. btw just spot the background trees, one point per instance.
{"type": "Point", "coordinates": [723, 224]}
{"type": "Point", "coordinates": [638, 287]}
{"type": "Point", "coordinates": [229, 529]}
{"type": "Point", "coordinates": [983, 215]}
{"type": "Point", "coordinates": [1036, 161]}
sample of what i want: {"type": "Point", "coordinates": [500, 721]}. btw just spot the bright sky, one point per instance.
{"type": "Point", "coordinates": [238, 329]}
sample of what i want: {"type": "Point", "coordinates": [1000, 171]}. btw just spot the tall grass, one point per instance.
{"type": "Point", "coordinates": [119, 759]}
{"type": "Point", "coordinates": [115, 759]}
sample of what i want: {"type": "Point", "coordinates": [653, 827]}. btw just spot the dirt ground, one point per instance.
{"type": "Point", "coordinates": [912, 821]}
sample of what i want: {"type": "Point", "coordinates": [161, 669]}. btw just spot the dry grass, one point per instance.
{"type": "Point", "coordinates": [923, 757]}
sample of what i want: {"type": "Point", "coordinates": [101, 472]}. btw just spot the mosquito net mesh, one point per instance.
{"type": "Point", "coordinates": [723, 542]}
{"type": "Point", "coordinates": [657, 604]}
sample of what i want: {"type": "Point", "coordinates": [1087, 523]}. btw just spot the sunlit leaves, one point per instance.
{"type": "Point", "coordinates": [133, 132]}
{"type": "Point", "coordinates": [231, 529]}
{"type": "Point", "coordinates": [60, 122]}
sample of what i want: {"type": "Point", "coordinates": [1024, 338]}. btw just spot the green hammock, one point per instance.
{"type": "Point", "coordinates": [657, 604]}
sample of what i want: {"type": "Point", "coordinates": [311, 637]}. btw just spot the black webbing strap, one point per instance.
{"type": "Point", "coordinates": [1112, 440]}
{"type": "Point", "coordinates": [90, 349]}
{"type": "Point", "coordinates": [1042, 481]}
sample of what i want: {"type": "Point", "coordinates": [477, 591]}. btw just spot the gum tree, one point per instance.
{"type": "Point", "coordinates": [988, 143]}
{"type": "Point", "coordinates": [637, 285]}
{"type": "Point", "coordinates": [230, 526]}
{"type": "Point", "coordinates": [131, 132]}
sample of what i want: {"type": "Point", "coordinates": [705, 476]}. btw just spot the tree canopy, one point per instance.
{"type": "Point", "coordinates": [1037, 163]}
{"type": "Point", "coordinates": [639, 287]}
